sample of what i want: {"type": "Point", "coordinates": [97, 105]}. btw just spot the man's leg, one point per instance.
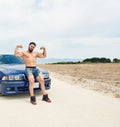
{"type": "Point", "coordinates": [31, 83]}
{"type": "Point", "coordinates": [31, 91]}
{"type": "Point", "coordinates": [41, 82]}
{"type": "Point", "coordinates": [40, 78]}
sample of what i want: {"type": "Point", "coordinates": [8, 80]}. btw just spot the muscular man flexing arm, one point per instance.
{"type": "Point", "coordinates": [32, 72]}
{"type": "Point", "coordinates": [29, 56]}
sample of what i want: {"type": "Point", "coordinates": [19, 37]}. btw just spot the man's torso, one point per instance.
{"type": "Point", "coordinates": [30, 58]}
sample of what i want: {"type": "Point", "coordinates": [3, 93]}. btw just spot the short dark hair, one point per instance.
{"type": "Point", "coordinates": [32, 43]}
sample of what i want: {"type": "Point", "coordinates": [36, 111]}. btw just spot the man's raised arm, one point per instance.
{"type": "Point", "coordinates": [16, 52]}
{"type": "Point", "coordinates": [44, 54]}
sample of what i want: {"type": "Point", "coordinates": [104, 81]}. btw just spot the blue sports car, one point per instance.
{"type": "Point", "coordinates": [13, 79]}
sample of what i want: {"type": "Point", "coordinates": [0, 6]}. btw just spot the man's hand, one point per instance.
{"type": "Point", "coordinates": [19, 46]}
{"type": "Point", "coordinates": [16, 52]}
{"type": "Point", "coordinates": [42, 48]}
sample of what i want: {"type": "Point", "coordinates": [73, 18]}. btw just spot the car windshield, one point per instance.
{"type": "Point", "coordinates": [10, 59]}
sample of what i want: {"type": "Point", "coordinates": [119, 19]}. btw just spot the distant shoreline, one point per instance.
{"type": "Point", "coordinates": [55, 60]}
{"type": "Point", "coordinates": [77, 61]}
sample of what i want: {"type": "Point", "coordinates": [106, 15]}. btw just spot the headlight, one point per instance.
{"type": "Point", "coordinates": [14, 77]}
{"type": "Point", "coordinates": [46, 75]}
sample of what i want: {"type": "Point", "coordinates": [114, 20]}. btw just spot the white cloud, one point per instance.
{"type": "Point", "coordinates": [58, 23]}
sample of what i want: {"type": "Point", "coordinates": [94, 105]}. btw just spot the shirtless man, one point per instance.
{"type": "Point", "coordinates": [31, 71]}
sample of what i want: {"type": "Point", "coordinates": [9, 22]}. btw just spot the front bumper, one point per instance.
{"type": "Point", "coordinates": [16, 87]}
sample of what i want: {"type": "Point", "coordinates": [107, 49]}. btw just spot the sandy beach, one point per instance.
{"type": "Point", "coordinates": [74, 104]}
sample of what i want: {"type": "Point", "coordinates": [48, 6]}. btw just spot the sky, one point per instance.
{"type": "Point", "coordinates": [67, 28]}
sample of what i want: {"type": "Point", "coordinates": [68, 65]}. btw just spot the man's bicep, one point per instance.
{"type": "Point", "coordinates": [39, 55]}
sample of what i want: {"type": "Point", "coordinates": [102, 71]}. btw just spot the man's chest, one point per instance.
{"type": "Point", "coordinates": [30, 56]}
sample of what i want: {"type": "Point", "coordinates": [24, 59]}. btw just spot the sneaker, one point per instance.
{"type": "Point", "coordinates": [45, 98]}
{"type": "Point", "coordinates": [33, 100]}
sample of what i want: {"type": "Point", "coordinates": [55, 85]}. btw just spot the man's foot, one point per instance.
{"type": "Point", "coordinates": [45, 98]}
{"type": "Point", "coordinates": [33, 100]}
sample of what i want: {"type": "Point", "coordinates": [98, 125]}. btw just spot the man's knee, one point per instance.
{"type": "Point", "coordinates": [40, 78]}
{"type": "Point", "coordinates": [31, 79]}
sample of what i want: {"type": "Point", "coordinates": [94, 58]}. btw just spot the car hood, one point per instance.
{"type": "Point", "coordinates": [13, 69]}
